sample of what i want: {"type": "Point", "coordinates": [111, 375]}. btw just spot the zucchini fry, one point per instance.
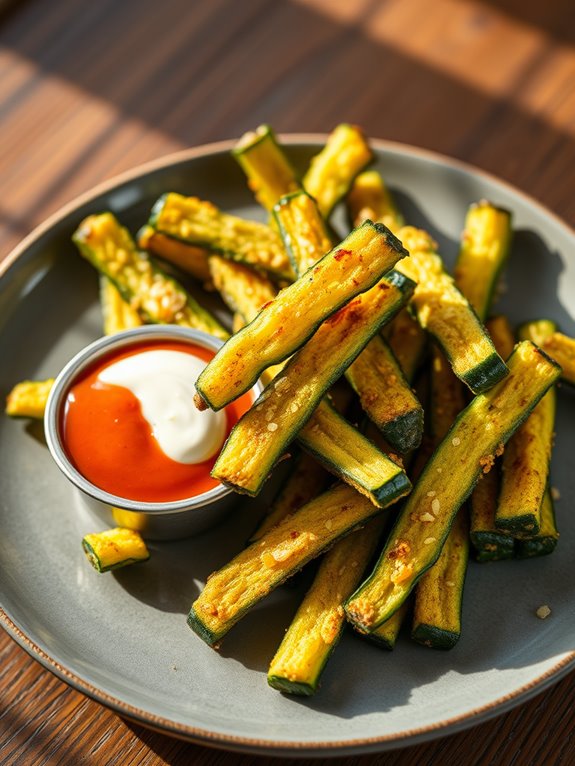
{"type": "Point", "coordinates": [318, 624]}
{"type": "Point", "coordinates": [439, 592]}
{"type": "Point", "coordinates": [114, 548]}
{"type": "Point", "coordinates": [485, 246]}
{"type": "Point", "coordinates": [375, 375]}
{"type": "Point", "coordinates": [332, 171]}
{"type": "Point", "coordinates": [192, 260]}
{"type": "Point", "coordinates": [369, 197]}
{"type": "Point", "coordinates": [28, 398]}
{"type": "Point", "coordinates": [422, 527]}
{"type": "Point", "coordinates": [261, 567]}
{"type": "Point", "coordinates": [262, 434]}
{"type": "Point", "coordinates": [269, 172]}
{"type": "Point", "coordinates": [199, 223]}
{"type": "Point", "coordinates": [525, 467]}
{"type": "Point", "coordinates": [445, 313]}
{"type": "Point", "coordinates": [141, 282]}
{"type": "Point", "coordinates": [347, 270]}
{"type": "Point", "coordinates": [562, 348]}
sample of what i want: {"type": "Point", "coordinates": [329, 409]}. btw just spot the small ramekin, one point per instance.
{"type": "Point", "coordinates": [156, 521]}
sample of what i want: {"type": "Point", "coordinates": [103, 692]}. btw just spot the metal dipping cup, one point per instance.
{"type": "Point", "coordinates": [155, 521]}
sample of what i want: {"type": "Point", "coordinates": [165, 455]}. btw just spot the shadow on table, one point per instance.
{"type": "Point", "coordinates": [274, 62]}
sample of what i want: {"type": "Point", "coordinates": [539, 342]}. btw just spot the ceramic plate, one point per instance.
{"type": "Point", "coordinates": [122, 638]}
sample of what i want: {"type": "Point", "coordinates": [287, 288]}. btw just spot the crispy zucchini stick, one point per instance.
{"type": "Point", "coordinates": [286, 323]}
{"type": "Point", "coordinates": [414, 545]}
{"type": "Point", "coordinates": [265, 564]}
{"type": "Point", "coordinates": [262, 434]}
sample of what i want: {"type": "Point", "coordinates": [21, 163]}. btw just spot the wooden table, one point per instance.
{"type": "Point", "coordinates": [90, 89]}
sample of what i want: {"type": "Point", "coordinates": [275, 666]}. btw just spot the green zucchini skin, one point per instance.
{"type": "Point", "coordinates": [273, 336]}
{"type": "Point", "coordinates": [269, 172]}
{"type": "Point", "coordinates": [490, 546]}
{"type": "Point", "coordinates": [252, 447]}
{"type": "Point", "coordinates": [407, 555]}
{"type": "Point", "coordinates": [332, 172]}
{"type": "Point", "coordinates": [526, 462]}
{"type": "Point", "coordinates": [202, 225]}
{"type": "Point", "coordinates": [435, 637]}
{"type": "Point", "coordinates": [405, 432]}
{"type": "Point", "coordinates": [359, 454]}
{"type": "Point", "coordinates": [295, 688]}
{"type": "Point", "coordinates": [485, 375]}
{"type": "Point", "coordinates": [375, 376]}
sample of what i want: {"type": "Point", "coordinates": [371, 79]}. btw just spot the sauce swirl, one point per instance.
{"type": "Point", "coordinates": [131, 428]}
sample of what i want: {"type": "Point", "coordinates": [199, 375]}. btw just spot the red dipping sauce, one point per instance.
{"type": "Point", "coordinates": [111, 443]}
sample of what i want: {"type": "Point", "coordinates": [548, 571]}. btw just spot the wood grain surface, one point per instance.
{"type": "Point", "coordinates": [90, 89]}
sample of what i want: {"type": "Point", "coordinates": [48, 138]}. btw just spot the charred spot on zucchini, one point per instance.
{"type": "Point", "coordinates": [445, 313]}
{"type": "Point", "coordinates": [261, 567]}
{"type": "Point", "coordinates": [417, 539]}
{"type": "Point", "coordinates": [141, 282]}
{"type": "Point", "coordinates": [114, 548]}
{"type": "Point", "coordinates": [200, 223]}
{"type": "Point", "coordinates": [347, 270]}
{"type": "Point", "coordinates": [263, 433]}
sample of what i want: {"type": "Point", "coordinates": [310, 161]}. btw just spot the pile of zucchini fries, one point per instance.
{"type": "Point", "coordinates": [334, 328]}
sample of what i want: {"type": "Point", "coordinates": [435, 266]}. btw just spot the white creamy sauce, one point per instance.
{"type": "Point", "coordinates": [163, 382]}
